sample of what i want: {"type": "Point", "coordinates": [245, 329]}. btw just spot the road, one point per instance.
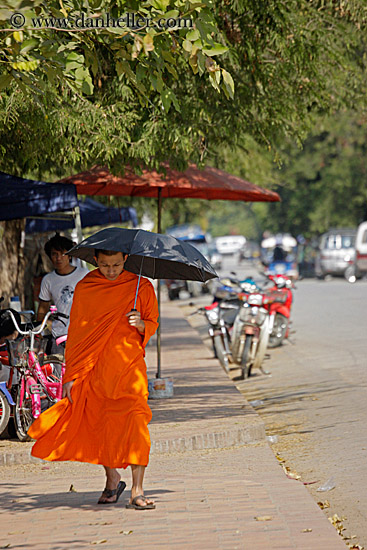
{"type": "Point", "coordinates": [314, 399]}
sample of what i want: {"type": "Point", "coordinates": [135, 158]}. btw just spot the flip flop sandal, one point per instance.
{"type": "Point", "coordinates": [108, 493]}
{"type": "Point", "coordinates": [135, 506]}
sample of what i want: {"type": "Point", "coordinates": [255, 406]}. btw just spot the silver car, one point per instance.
{"type": "Point", "coordinates": [336, 253]}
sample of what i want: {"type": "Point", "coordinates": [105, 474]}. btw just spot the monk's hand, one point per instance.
{"type": "Point", "coordinates": [136, 321]}
{"type": "Point", "coordinates": [66, 390]}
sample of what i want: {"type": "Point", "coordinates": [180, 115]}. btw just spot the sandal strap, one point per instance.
{"type": "Point", "coordinates": [108, 493]}
{"type": "Point", "coordinates": [142, 497]}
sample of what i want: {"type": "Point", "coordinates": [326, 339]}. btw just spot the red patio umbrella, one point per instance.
{"type": "Point", "coordinates": [208, 183]}
{"type": "Point", "coordinates": [193, 183]}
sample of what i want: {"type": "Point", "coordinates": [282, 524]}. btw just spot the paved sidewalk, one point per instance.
{"type": "Point", "coordinates": [215, 480]}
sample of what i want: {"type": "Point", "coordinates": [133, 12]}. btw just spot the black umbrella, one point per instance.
{"type": "Point", "coordinates": [151, 255]}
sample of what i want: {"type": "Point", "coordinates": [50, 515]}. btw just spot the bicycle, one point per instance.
{"type": "Point", "coordinates": [39, 379]}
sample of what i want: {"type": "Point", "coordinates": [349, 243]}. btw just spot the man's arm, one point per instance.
{"type": "Point", "coordinates": [43, 309]}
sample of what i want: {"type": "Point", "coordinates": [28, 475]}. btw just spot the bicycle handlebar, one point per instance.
{"type": "Point", "coordinates": [43, 324]}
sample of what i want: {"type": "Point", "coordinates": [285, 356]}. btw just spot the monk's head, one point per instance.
{"type": "Point", "coordinates": [110, 263]}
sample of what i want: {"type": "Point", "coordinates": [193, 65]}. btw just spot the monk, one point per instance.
{"type": "Point", "coordinates": [103, 416]}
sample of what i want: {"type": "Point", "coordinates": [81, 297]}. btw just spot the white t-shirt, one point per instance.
{"type": "Point", "coordinates": [60, 290]}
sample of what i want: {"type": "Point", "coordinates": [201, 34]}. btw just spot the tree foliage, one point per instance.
{"type": "Point", "coordinates": [139, 96]}
{"type": "Point", "coordinates": [324, 185]}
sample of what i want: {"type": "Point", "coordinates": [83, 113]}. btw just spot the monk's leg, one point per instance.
{"type": "Point", "coordinates": [137, 486]}
{"type": "Point", "coordinates": [112, 480]}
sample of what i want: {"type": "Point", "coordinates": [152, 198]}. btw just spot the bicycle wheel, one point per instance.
{"type": "Point", "coordinates": [4, 412]}
{"type": "Point", "coordinates": [23, 416]}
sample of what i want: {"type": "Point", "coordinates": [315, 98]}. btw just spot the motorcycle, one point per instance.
{"type": "Point", "coordinates": [250, 335]}
{"type": "Point", "coordinates": [279, 309]}
{"type": "Point", "coordinates": [220, 316]}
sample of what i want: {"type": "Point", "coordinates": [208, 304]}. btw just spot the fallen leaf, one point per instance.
{"type": "Point", "coordinates": [306, 530]}
{"type": "Point", "coordinates": [263, 518]}
{"type": "Point", "coordinates": [6, 546]}
{"type": "Point", "coordinates": [289, 474]}
{"type": "Point", "coordinates": [72, 490]}
{"type": "Point", "coordinates": [99, 541]}
{"type": "Point", "coordinates": [325, 504]}
{"type": "Point", "coordinates": [126, 532]}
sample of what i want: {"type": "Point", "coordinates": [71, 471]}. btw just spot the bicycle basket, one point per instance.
{"type": "Point", "coordinates": [16, 349]}
{"type": "Point", "coordinates": [39, 347]}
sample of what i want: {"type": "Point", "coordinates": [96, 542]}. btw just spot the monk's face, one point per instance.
{"type": "Point", "coordinates": [111, 266]}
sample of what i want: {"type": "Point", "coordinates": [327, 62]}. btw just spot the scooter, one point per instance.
{"type": "Point", "coordinates": [250, 333]}
{"type": "Point", "coordinates": [220, 316]}
{"type": "Point", "coordinates": [280, 303]}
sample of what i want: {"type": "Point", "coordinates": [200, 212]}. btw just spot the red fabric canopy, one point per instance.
{"type": "Point", "coordinates": [209, 184]}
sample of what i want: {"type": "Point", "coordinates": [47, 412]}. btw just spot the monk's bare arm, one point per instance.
{"type": "Point", "coordinates": [136, 321]}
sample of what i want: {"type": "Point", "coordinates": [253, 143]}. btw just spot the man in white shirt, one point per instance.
{"type": "Point", "coordinates": [58, 286]}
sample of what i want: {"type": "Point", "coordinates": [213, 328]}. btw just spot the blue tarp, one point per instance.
{"type": "Point", "coordinates": [21, 197]}
{"type": "Point", "coordinates": [91, 213]}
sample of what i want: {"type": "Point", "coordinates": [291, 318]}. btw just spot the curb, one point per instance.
{"type": "Point", "coordinates": [253, 433]}
{"type": "Point", "coordinates": [216, 440]}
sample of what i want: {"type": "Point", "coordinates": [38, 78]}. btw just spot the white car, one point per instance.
{"type": "Point", "coordinates": [230, 244]}
{"type": "Point", "coordinates": [361, 250]}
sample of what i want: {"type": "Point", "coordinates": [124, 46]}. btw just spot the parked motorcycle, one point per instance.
{"type": "Point", "coordinates": [220, 316]}
{"type": "Point", "coordinates": [250, 333]}
{"type": "Point", "coordinates": [280, 303]}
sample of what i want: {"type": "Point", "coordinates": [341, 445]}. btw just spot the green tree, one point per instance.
{"type": "Point", "coordinates": [139, 96]}
{"type": "Point", "coordinates": [324, 184]}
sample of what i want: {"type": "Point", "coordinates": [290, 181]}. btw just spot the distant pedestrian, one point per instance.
{"type": "Point", "coordinates": [58, 286]}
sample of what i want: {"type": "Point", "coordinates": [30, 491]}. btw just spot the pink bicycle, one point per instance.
{"type": "Point", "coordinates": [39, 380]}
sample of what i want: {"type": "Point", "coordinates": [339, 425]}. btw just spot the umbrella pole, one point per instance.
{"type": "Point", "coordinates": [137, 286]}
{"type": "Point", "coordinates": [158, 374]}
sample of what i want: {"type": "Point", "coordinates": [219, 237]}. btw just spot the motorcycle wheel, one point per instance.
{"type": "Point", "coordinates": [262, 345]}
{"type": "Point", "coordinates": [4, 412]}
{"type": "Point", "coordinates": [23, 416]}
{"type": "Point", "coordinates": [214, 349]}
{"type": "Point", "coordinates": [221, 352]}
{"type": "Point", "coordinates": [279, 331]}
{"type": "Point", "coordinates": [246, 369]}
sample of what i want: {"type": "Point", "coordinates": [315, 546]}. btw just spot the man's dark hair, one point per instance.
{"type": "Point", "coordinates": [57, 242]}
{"type": "Point", "coordinates": [98, 251]}
{"type": "Point", "coordinates": [6, 323]}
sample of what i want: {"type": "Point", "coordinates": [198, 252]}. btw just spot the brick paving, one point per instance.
{"type": "Point", "coordinates": [214, 478]}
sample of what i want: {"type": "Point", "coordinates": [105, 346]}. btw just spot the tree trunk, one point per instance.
{"type": "Point", "coordinates": [12, 263]}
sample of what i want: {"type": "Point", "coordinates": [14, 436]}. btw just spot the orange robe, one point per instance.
{"type": "Point", "coordinates": [107, 423]}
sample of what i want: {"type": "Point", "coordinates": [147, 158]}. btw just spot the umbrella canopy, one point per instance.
{"type": "Point", "coordinates": [150, 254]}
{"type": "Point", "coordinates": [209, 183]}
